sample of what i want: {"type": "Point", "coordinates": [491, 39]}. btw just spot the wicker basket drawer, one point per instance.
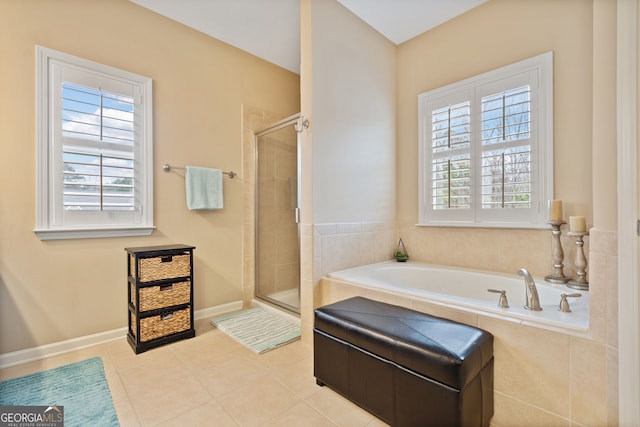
{"type": "Point", "coordinates": [162, 325]}
{"type": "Point", "coordinates": [161, 267]}
{"type": "Point", "coordinates": [161, 296]}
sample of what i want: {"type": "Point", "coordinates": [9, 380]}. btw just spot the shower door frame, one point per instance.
{"type": "Point", "coordinates": [297, 122]}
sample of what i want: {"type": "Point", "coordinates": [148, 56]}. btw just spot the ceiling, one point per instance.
{"type": "Point", "coordinates": [270, 29]}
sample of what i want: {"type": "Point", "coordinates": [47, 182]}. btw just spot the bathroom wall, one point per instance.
{"type": "Point", "coordinates": [348, 91]}
{"type": "Point", "coordinates": [495, 34]}
{"type": "Point", "coordinates": [308, 297]}
{"type": "Point", "coordinates": [581, 35]}
{"type": "Point", "coordinates": [57, 290]}
{"type": "Point", "coordinates": [554, 379]}
{"type": "Point", "coordinates": [353, 126]}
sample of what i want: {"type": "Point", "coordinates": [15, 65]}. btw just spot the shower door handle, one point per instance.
{"type": "Point", "coordinates": [297, 210]}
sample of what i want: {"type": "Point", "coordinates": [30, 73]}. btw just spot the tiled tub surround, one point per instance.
{"type": "Point", "coordinates": [333, 247]}
{"type": "Point", "coordinates": [548, 377]}
{"type": "Point", "coordinates": [345, 245]}
{"type": "Point", "coordinates": [510, 249]}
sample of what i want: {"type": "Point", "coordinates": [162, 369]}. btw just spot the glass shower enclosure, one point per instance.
{"type": "Point", "coordinates": [277, 240]}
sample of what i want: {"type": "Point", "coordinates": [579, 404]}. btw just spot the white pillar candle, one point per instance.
{"type": "Point", "coordinates": [555, 210]}
{"type": "Point", "coordinates": [577, 224]}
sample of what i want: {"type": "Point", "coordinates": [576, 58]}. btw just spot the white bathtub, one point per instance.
{"type": "Point", "coordinates": [466, 290]}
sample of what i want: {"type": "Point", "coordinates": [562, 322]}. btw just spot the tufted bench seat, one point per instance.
{"type": "Point", "coordinates": [405, 367]}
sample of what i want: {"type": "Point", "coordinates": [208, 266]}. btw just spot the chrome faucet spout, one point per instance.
{"type": "Point", "coordinates": [532, 300]}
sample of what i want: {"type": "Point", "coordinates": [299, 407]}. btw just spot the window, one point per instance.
{"type": "Point", "coordinates": [486, 148]}
{"type": "Point", "coordinates": [94, 149]}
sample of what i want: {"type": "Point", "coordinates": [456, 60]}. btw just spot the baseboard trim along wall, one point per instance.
{"type": "Point", "coordinates": [49, 350]}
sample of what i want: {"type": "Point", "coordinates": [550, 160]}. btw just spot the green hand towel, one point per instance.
{"type": "Point", "coordinates": [203, 188]}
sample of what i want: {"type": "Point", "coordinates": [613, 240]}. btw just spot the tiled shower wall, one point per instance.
{"type": "Point", "coordinates": [278, 263]}
{"type": "Point", "coordinates": [253, 120]}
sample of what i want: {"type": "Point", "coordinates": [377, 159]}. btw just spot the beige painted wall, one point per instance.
{"type": "Point", "coordinates": [498, 33]}
{"type": "Point", "coordinates": [605, 171]}
{"type": "Point", "coordinates": [353, 125]}
{"type": "Point", "coordinates": [308, 295]}
{"type": "Point", "coordinates": [57, 290]}
{"type": "Point", "coordinates": [348, 92]}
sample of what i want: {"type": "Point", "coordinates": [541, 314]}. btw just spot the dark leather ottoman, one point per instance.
{"type": "Point", "coordinates": [405, 367]}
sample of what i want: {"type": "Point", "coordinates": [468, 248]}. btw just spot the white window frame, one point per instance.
{"type": "Point", "coordinates": [52, 222]}
{"type": "Point", "coordinates": [538, 71]}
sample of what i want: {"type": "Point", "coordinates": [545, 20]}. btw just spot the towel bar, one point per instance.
{"type": "Point", "coordinates": [167, 167]}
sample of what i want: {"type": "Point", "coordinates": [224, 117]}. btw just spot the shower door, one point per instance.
{"type": "Point", "coordinates": [277, 258]}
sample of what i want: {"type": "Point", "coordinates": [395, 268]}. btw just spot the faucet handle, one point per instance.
{"type": "Point", "coordinates": [564, 303]}
{"type": "Point", "coordinates": [502, 302]}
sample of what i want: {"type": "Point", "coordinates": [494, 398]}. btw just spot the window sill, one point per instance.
{"type": "Point", "coordinates": [92, 233]}
{"type": "Point", "coordinates": [487, 225]}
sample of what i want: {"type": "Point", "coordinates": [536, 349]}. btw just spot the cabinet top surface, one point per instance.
{"type": "Point", "coordinates": [159, 248]}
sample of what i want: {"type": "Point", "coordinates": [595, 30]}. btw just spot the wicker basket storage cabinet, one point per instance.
{"type": "Point", "coordinates": [160, 295]}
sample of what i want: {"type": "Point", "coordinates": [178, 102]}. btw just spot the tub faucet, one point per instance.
{"type": "Point", "coordinates": [532, 302]}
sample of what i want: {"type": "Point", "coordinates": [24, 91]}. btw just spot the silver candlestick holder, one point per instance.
{"type": "Point", "coordinates": [558, 255]}
{"type": "Point", "coordinates": [581, 262]}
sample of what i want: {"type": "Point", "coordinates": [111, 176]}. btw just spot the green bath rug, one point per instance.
{"type": "Point", "coordinates": [259, 329]}
{"type": "Point", "coordinates": [81, 389]}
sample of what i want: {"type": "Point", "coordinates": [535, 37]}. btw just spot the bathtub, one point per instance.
{"type": "Point", "coordinates": [466, 290]}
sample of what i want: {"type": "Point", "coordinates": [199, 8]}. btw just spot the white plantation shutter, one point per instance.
{"type": "Point", "coordinates": [446, 128]}
{"type": "Point", "coordinates": [97, 154]}
{"type": "Point", "coordinates": [97, 181]}
{"type": "Point", "coordinates": [97, 115]}
{"type": "Point", "coordinates": [506, 149]}
{"type": "Point", "coordinates": [486, 147]}
{"type": "Point", "coordinates": [94, 149]}
{"type": "Point", "coordinates": [451, 156]}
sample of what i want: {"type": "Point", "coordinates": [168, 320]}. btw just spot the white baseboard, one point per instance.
{"type": "Point", "coordinates": [49, 350]}
{"type": "Point", "coordinates": [217, 310]}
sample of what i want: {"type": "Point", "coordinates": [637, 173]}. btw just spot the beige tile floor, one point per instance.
{"type": "Point", "coordinates": [211, 380]}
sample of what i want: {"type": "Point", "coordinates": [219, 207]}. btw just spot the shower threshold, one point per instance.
{"type": "Point", "coordinates": [288, 299]}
